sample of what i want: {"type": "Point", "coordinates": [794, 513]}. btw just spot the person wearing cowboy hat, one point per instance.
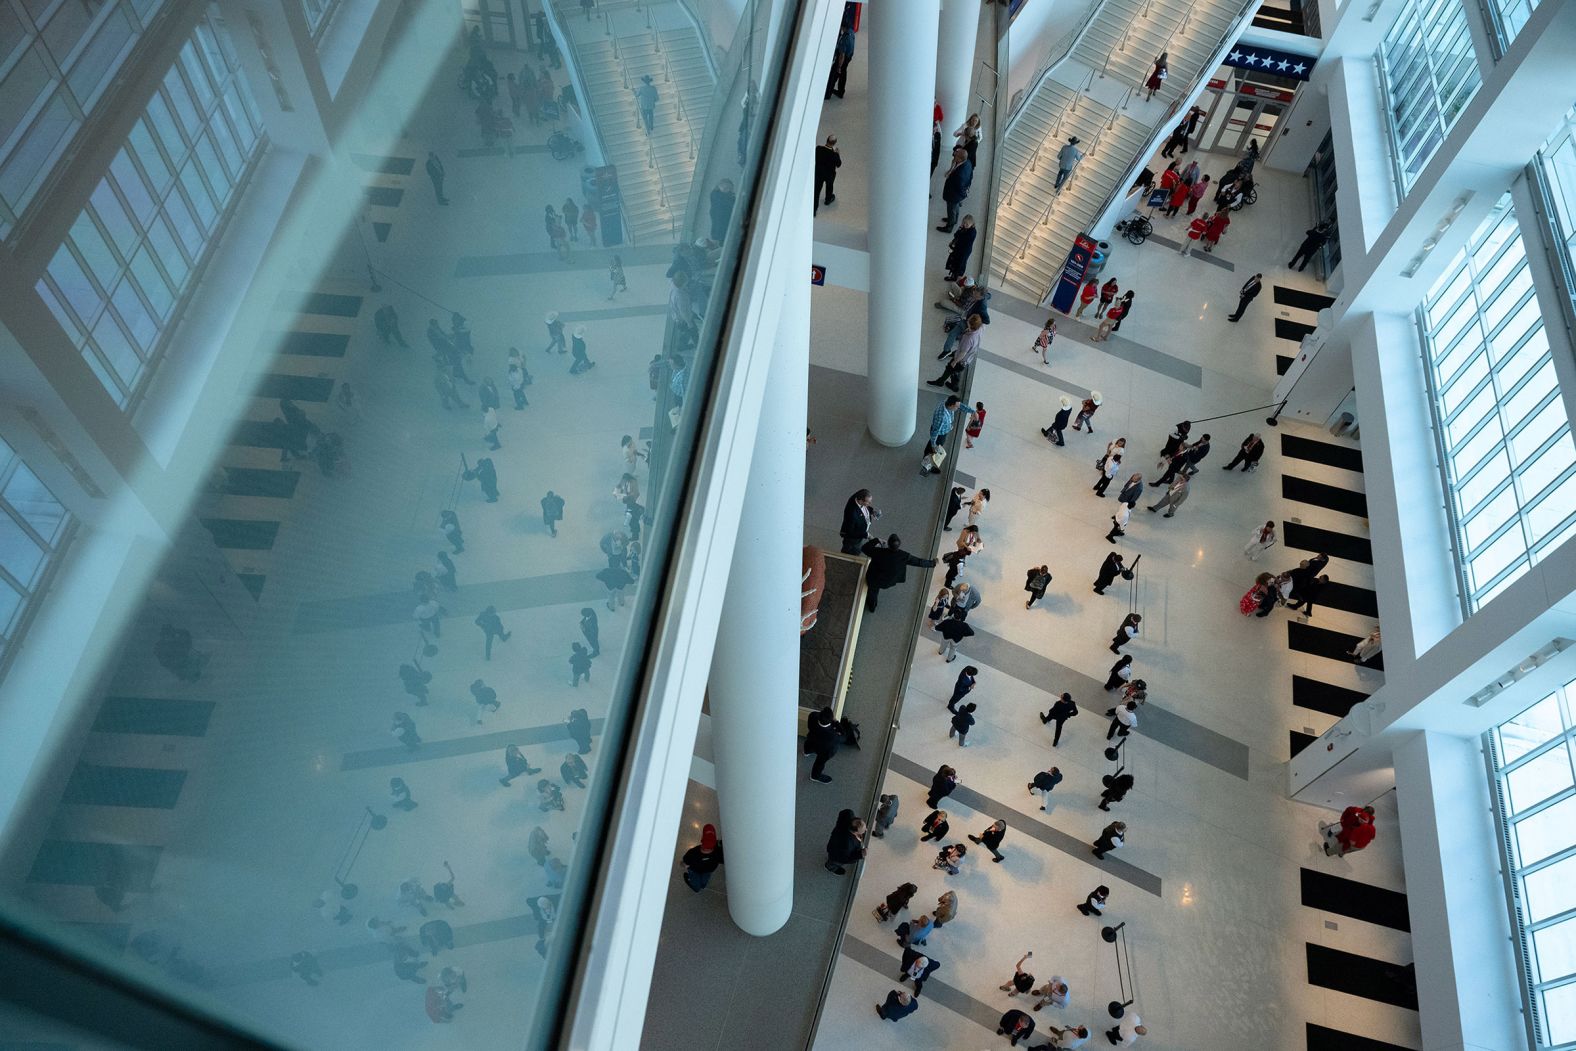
{"type": "Point", "coordinates": [578, 349]}
{"type": "Point", "coordinates": [555, 333]}
{"type": "Point", "coordinates": [646, 98]}
{"type": "Point", "coordinates": [1053, 433]}
{"type": "Point", "coordinates": [1087, 410]}
{"type": "Point", "coordinates": [1067, 159]}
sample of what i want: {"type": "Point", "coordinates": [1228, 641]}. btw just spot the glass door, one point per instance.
{"type": "Point", "coordinates": [497, 19]}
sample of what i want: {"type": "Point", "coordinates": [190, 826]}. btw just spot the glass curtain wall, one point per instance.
{"type": "Point", "coordinates": [1507, 17]}
{"type": "Point", "coordinates": [116, 283]}
{"type": "Point", "coordinates": [33, 528]}
{"type": "Point", "coordinates": [56, 57]}
{"type": "Point", "coordinates": [1510, 463]}
{"type": "Point", "coordinates": [1428, 72]}
{"type": "Point", "coordinates": [344, 769]}
{"type": "Point", "coordinates": [1532, 765]}
{"type": "Point", "coordinates": [1556, 171]}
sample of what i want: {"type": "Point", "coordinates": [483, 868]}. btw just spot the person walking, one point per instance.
{"type": "Point", "coordinates": [646, 101]}
{"type": "Point", "coordinates": [888, 567]}
{"type": "Point", "coordinates": [1195, 455]}
{"type": "Point", "coordinates": [1215, 229]}
{"type": "Point", "coordinates": [967, 679]}
{"type": "Point", "coordinates": [1061, 710]}
{"type": "Point", "coordinates": [1038, 579]}
{"type": "Point", "coordinates": [960, 248]}
{"type": "Point", "coordinates": [578, 725]}
{"type": "Point", "coordinates": [886, 814]}
{"type": "Point", "coordinates": [1176, 141]}
{"type": "Point", "coordinates": [842, 55]}
{"type": "Point", "coordinates": [1053, 433]}
{"type": "Point", "coordinates": [1119, 520]}
{"type": "Point", "coordinates": [1121, 672]}
{"type": "Point", "coordinates": [1112, 837]}
{"type": "Point", "coordinates": [941, 786]}
{"type": "Point", "coordinates": [953, 630]}
{"type": "Point", "coordinates": [589, 630]}
{"type": "Point", "coordinates": [1016, 1026]}
{"type": "Point", "coordinates": [916, 967]}
{"type": "Point", "coordinates": [991, 839]}
{"type": "Point", "coordinates": [702, 861]}
{"type": "Point", "coordinates": [946, 908]}
{"type": "Point", "coordinates": [1042, 342]}
{"type": "Point", "coordinates": [387, 321]}
{"type": "Point", "coordinates": [1248, 455]}
{"type": "Point", "coordinates": [492, 628]}
{"type": "Point", "coordinates": [1174, 497]}
{"type": "Point", "coordinates": [436, 173]}
{"type": "Point", "coordinates": [934, 827]}
{"type": "Point", "coordinates": [1248, 293]}
{"type": "Point", "coordinates": [898, 1006]}
{"type": "Point", "coordinates": [577, 347]}
{"type": "Point", "coordinates": [1045, 783]}
{"type": "Point", "coordinates": [1366, 649]}
{"type": "Point", "coordinates": [415, 680]}
{"type": "Point", "coordinates": [858, 514]}
{"type": "Point", "coordinates": [1157, 77]}
{"type": "Point", "coordinates": [821, 738]}
{"type": "Point", "coordinates": [1127, 632]}
{"type": "Point", "coordinates": [517, 765]}
{"type": "Point", "coordinates": [1108, 466]}
{"type": "Point", "coordinates": [1094, 904]}
{"type": "Point", "coordinates": [1303, 598]}
{"type": "Point", "coordinates": [1312, 241]}
{"type": "Point", "coordinates": [486, 698]}
{"type": "Point", "coordinates": [1116, 788]}
{"type": "Point", "coordinates": [1109, 570]}
{"type": "Point", "coordinates": [579, 664]}
{"type": "Point", "coordinates": [1067, 159]}
{"type": "Point", "coordinates": [1126, 1032]}
{"type": "Point", "coordinates": [1086, 412]}
{"type": "Point", "coordinates": [552, 512]}
{"type": "Point", "coordinates": [615, 274]}
{"type": "Point", "coordinates": [1124, 719]}
{"type": "Point", "coordinates": [827, 161]}
{"type": "Point", "coordinates": [962, 723]}
{"type": "Point", "coordinates": [1261, 540]}
{"type": "Point", "coordinates": [846, 844]}
{"type": "Point", "coordinates": [963, 354]}
{"type": "Point", "coordinates": [955, 187]}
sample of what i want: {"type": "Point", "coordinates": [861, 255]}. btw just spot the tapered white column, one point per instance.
{"type": "Point", "coordinates": [902, 91]}
{"type": "Point", "coordinates": [754, 688]}
{"type": "Point", "coordinates": [960, 21]}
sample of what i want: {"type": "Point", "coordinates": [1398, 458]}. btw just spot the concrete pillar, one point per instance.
{"type": "Point", "coordinates": [901, 94]}
{"type": "Point", "coordinates": [281, 66]}
{"type": "Point", "coordinates": [960, 20]}
{"type": "Point", "coordinates": [754, 688]}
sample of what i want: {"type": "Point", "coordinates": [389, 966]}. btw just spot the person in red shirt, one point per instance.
{"type": "Point", "coordinates": [1214, 227]}
{"type": "Point", "coordinates": [1108, 293]}
{"type": "Point", "coordinates": [1086, 296]}
{"type": "Point", "coordinates": [1179, 194]}
{"type": "Point", "coordinates": [1354, 831]}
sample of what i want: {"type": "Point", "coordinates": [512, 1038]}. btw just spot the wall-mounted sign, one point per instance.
{"type": "Point", "coordinates": [817, 274]}
{"type": "Point", "coordinates": [1270, 60]}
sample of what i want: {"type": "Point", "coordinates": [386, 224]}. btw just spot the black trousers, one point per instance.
{"type": "Point", "coordinates": [1304, 256]}
{"type": "Point", "coordinates": [1058, 738]}
{"type": "Point", "coordinates": [1241, 458]}
{"type": "Point", "coordinates": [1103, 484]}
{"type": "Point", "coordinates": [1242, 305]}
{"type": "Point", "coordinates": [827, 181]}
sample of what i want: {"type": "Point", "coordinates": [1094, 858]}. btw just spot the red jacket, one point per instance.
{"type": "Point", "coordinates": [1195, 229]}
{"type": "Point", "coordinates": [1170, 179]}
{"type": "Point", "coordinates": [1109, 290]}
{"type": "Point", "coordinates": [1357, 837]}
{"type": "Point", "coordinates": [1216, 225]}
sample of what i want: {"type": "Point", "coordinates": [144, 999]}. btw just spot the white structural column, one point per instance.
{"type": "Point", "coordinates": [902, 89]}
{"type": "Point", "coordinates": [960, 22]}
{"type": "Point", "coordinates": [754, 688]}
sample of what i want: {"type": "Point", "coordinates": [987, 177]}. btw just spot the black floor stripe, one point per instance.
{"type": "Point", "coordinates": [319, 303]}
{"type": "Point", "coordinates": [1327, 453]}
{"type": "Point", "coordinates": [1334, 497]}
{"type": "Point", "coordinates": [1319, 696]}
{"type": "Point", "coordinates": [165, 716]}
{"type": "Point", "coordinates": [253, 582]}
{"type": "Point", "coordinates": [114, 935]}
{"type": "Point", "coordinates": [385, 196]}
{"type": "Point", "coordinates": [1363, 976]}
{"type": "Point", "coordinates": [255, 434]}
{"type": "Point", "coordinates": [1292, 330]}
{"type": "Point", "coordinates": [1350, 599]}
{"type": "Point", "coordinates": [296, 388]}
{"type": "Point", "coordinates": [1322, 642]}
{"type": "Point", "coordinates": [1322, 1039]}
{"type": "Point", "coordinates": [313, 344]}
{"type": "Point", "coordinates": [1299, 741]}
{"type": "Point", "coordinates": [1360, 901]}
{"type": "Point", "coordinates": [82, 864]}
{"type": "Point", "coordinates": [1296, 297]}
{"type": "Point", "coordinates": [395, 166]}
{"type": "Point", "coordinates": [254, 481]}
{"type": "Point", "coordinates": [381, 231]}
{"type": "Point", "coordinates": [124, 786]}
{"type": "Point", "coordinates": [1336, 545]}
{"type": "Point", "coordinates": [242, 535]}
{"type": "Point", "coordinates": [1282, 363]}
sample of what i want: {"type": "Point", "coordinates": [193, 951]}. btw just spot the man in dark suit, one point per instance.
{"type": "Point", "coordinates": [955, 190]}
{"type": "Point", "coordinates": [827, 161]}
{"type": "Point", "coordinates": [858, 513]}
{"type": "Point", "coordinates": [888, 567]}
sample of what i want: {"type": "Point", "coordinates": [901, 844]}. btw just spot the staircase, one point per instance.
{"type": "Point", "coordinates": [654, 171]}
{"type": "Point", "coordinates": [1094, 90]}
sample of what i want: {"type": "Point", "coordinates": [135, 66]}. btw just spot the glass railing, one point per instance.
{"type": "Point", "coordinates": [319, 724]}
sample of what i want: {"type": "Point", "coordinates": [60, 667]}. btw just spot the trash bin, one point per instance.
{"type": "Point", "coordinates": [1102, 252]}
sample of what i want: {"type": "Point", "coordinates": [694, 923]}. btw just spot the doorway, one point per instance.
{"type": "Point", "coordinates": [1244, 107]}
{"type": "Point", "coordinates": [502, 22]}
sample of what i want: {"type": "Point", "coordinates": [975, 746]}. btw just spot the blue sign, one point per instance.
{"type": "Point", "coordinates": [1073, 271]}
{"type": "Point", "coordinates": [1269, 60]}
{"type": "Point", "coordinates": [1158, 198]}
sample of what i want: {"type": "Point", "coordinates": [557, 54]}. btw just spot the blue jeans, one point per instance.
{"type": "Point", "coordinates": [1061, 176]}
{"type": "Point", "coordinates": [696, 881]}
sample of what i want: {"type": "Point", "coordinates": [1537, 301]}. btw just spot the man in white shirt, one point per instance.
{"type": "Point", "coordinates": [1072, 1036]}
{"type": "Point", "coordinates": [1127, 1033]}
{"type": "Point", "coordinates": [1054, 992]}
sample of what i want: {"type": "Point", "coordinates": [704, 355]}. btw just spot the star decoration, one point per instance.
{"type": "Point", "coordinates": [1299, 69]}
{"type": "Point", "coordinates": [1283, 65]}
{"type": "Point", "coordinates": [1236, 56]}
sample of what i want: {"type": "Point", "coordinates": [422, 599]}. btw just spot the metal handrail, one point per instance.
{"type": "Point", "coordinates": [1054, 56]}
{"type": "Point", "coordinates": [1210, 60]}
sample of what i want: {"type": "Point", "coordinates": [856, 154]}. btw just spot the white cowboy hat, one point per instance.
{"type": "Point", "coordinates": [1067, 402]}
{"type": "Point", "coordinates": [1094, 396]}
{"type": "Point", "coordinates": [580, 332]}
{"type": "Point", "coordinates": [552, 316]}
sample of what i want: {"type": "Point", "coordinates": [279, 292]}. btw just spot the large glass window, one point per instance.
{"type": "Point", "coordinates": [32, 527]}
{"type": "Point", "coordinates": [1508, 16]}
{"type": "Point", "coordinates": [1510, 462]}
{"type": "Point", "coordinates": [114, 283]}
{"type": "Point", "coordinates": [1536, 792]}
{"type": "Point", "coordinates": [55, 59]}
{"type": "Point", "coordinates": [1556, 169]}
{"type": "Point", "coordinates": [1429, 73]}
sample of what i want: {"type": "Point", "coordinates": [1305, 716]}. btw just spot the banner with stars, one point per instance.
{"type": "Point", "coordinates": [1269, 60]}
